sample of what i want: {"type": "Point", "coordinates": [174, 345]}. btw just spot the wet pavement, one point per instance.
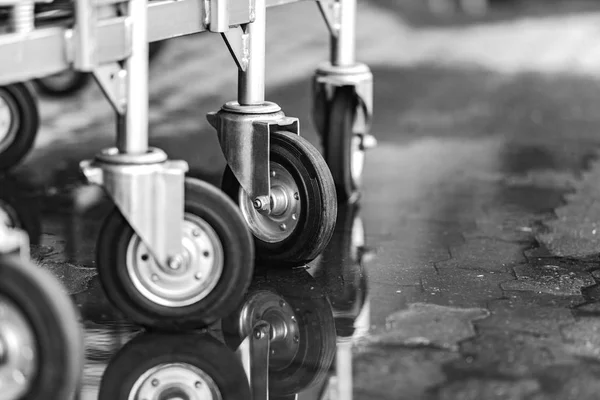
{"type": "Point", "coordinates": [469, 269]}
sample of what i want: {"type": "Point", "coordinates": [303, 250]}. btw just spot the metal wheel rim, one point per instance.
{"type": "Point", "coordinates": [285, 331]}
{"type": "Point", "coordinates": [18, 352]}
{"type": "Point", "coordinates": [273, 228]}
{"type": "Point", "coordinates": [175, 381]}
{"type": "Point", "coordinates": [9, 119]}
{"type": "Point", "coordinates": [357, 160]}
{"type": "Point", "coordinates": [197, 276]}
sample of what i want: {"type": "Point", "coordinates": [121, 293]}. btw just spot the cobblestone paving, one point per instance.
{"type": "Point", "coordinates": [480, 202]}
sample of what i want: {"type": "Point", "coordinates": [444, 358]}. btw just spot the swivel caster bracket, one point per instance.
{"type": "Point", "coordinates": [244, 135]}
{"type": "Point", "coordinates": [149, 191]}
{"type": "Point", "coordinates": [14, 241]}
{"type": "Point", "coordinates": [254, 354]}
{"type": "Point", "coordinates": [328, 77]}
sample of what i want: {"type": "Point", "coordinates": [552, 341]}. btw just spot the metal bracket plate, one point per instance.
{"type": "Point", "coordinates": [330, 10]}
{"type": "Point", "coordinates": [14, 240]}
{"type": "Point", "coordinates": [236, 41]}
{"type": "Point", "coordinates": [328, 77]}
{"type": "Point", "coordinates": [112, 81]}
{"type": "Point", "coordinates": [150, 196]}
{"type": "Point", "coordinates": [254, 353]}
{"type": "Point", "coordinates": [244, 135]}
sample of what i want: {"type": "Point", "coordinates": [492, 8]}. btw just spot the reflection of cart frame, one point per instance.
{"type": "Point", "coordinates": [281, 183]}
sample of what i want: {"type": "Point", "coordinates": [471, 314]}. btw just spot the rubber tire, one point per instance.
{"type": "Point", "coordinates": [77, 83]}
{"type": "Point", "coordinates": [210, 204]}
{"type": "Point", "coordinates": [149, 350]}
{"type": "Point", "coordinates": [54, 321]}
{"type": "Point", "coordinates": [337, 142]}
{"type": "Point", "coordinates": [25, 98]}
{"type": "Point", "coordinates": [317, 195]}
{"type": "Point", "coordinates": [315, 318]}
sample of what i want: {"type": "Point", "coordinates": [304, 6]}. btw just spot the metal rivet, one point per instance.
{"type": "Point", "coordinates": [294, 216]}
{"type": "Point", "coordinates": [196, 232]}
{"type": "Point", "coordinates": [272, 351]}
{"type": "Point", "coordinates": [283, 227]}
{"type": "Point", "coordinates": [282, 303]}
{"type": "Point", "coordinates": [296, 339]}
{"type": "Point", "coordinates": [198, 384]}
{"type": "Point", "coordinates": [273, 173]}
{"type": "Point", "coordinates": [155, 277]}
{"type": "Point", "coordinates": [175, 262]}
{"type": "Point", "coordinates": [198, 276]}
{"type": "Point", "coordinates": [155, 382]}
{"type": "Point", "coordinates": [206, 253]}
{"type": "Point", "coordinates": [258, 334]}
{"type": "Point", "coordinates": [293, 318]}
{"type": "Point", "coordinates": [296, 196]}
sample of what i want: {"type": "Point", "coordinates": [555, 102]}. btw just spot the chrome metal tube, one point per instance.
{"type": "Point", "coordinates": [343, 44]}
{"type": "Point", "coordinates": [22, 19]}
{"type": "Point", "coordinates": [251, 82]}
{"type": "Point", "coordinates": [85, 37]}
{"type": "Point", "coordinates": [132, 138]}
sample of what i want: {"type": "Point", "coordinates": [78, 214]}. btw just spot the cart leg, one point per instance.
{"type": "Point", "coordinates": [146, 187]}
{"type": "Point", "coordinates": [343, 101]}
{"type": "Point", "coordinates": [268, 163]}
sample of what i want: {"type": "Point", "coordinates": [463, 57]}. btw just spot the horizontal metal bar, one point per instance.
{"type": "Point", "coordinates": [50, 50]}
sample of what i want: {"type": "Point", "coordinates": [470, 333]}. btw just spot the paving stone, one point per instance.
{"type": "Point", "coordinates": [477, 389]}
{"type": "Point", "coordinates": [583, 337]}
{"type": "Point", "coordinates": [484, 254]}
{"type": "Point", "coordinates": [398, 373]}
{"type": "Point", "coordinates": [514, 315]}
{"type": "Point", "coordinates": [75, 279]}
{"type": "Point", "coordinates": [550, 278]}
{"type": "Point", "coordinates": [569, 382]}
{"type": "Point", "coordinates": [429, 325]}
{"type": "Point", "coordinates": [463, 288]}
{"type": "Point", "coordinates": [512, 355]}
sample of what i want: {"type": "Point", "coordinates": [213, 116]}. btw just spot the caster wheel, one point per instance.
{"type": "Point", "coordinates": [303, 338]}
{"type": "Point", "coordinates": [64, 83]}
{"type": "Point", "coordinates": [187, 366]}
{"type": "Point", "coordinates": [41, 344]}
{"type": "Point", "coordinates": [19, 123]}
{"type": "Point", "coordinates": [304, 204]}
{"type": "Point", "coordinates": [211, 282]}
{"type": "Point", "coordinates": [342, 148]}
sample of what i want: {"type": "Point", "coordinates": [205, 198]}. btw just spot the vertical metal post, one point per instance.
{"type": "Point", "coordinates": [85, 25]}
{"type": "Point", "coordinates": [251, 81]}
{"type": "Point", "coordinates": [132, 136]}
{"type": "Point", "coordinates": [343, 44]}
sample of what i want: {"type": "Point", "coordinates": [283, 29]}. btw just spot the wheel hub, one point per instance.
{"type": "Point", "coordinates": [18, 356]}
{"type": "Point", "coordinates": [9, 119]}
{"type": "Point", "coordinates": [286, 207]}
{"type": "Point", "coordinates": [190, 277]}
{"type": "Point", "coordinates": [175, 381]}
{"type": "Point", "coordinates": [284, 330]}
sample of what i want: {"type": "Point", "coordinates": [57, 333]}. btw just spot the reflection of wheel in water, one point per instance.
{"type": "Point", "coordinates": [207, 283]}
{"type": "Point", "coordinates": [341, 269]}
{"type": "Point", "coordinates": [302, 328]}
{"type": "Point", "coordinates": [20, 210]}
{"type": "Point", "coordinates": [41, 344]}
{"type": "Point", "coordinates": [19, 123]}
{"type": "Point", "coordinates": [303, 201]}
{"type": "Point", "coordinates": [187, 366]}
